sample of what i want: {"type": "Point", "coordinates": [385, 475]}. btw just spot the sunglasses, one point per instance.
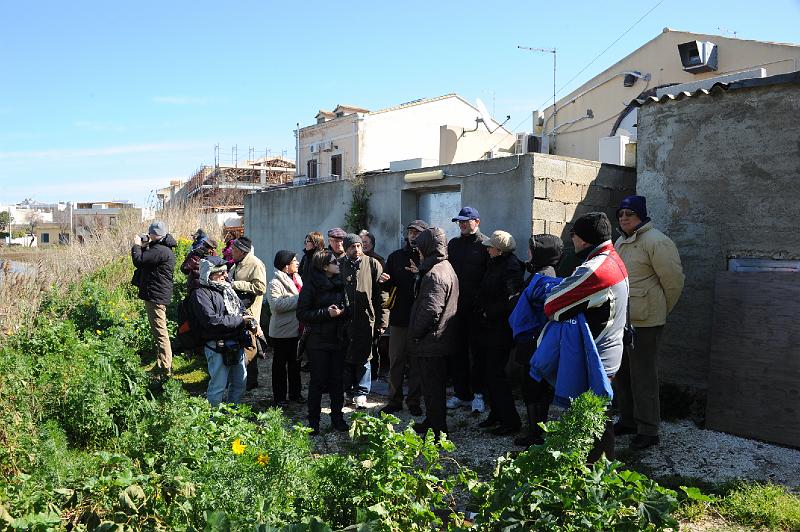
{"type": "Point", "coordinates": [626, 212]}
{"type": "Point", "coordinates": [333, 261]}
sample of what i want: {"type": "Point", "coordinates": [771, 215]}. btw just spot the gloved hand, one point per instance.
{"type": "Point", "coordinates": [137, 240]}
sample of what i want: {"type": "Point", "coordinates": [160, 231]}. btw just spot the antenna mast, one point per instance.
{"type": "Point", "coordinates": [548, 51]}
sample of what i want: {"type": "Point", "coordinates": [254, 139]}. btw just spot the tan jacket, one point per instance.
{"type": "Point", "coordinates": [249, 276]}
{"type": "Point", "coordinates": [655, 274]}
{"type": "Point", "coordinates": [282, 298]}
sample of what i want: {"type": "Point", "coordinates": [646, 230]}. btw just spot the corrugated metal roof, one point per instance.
{"type": "Point", "coordinates": [780, 79]}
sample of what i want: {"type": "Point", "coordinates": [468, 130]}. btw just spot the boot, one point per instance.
{"type": "Point", "coordinates": [536, 412]}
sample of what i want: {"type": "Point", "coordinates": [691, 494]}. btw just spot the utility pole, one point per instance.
{"type": "Point", "coordinates": [548, 51]}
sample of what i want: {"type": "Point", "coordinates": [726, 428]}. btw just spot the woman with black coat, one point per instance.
{"type": "Point", "coordinates": [322, 306]}
{"type": "Point", "coordinates": [312, 243]}
{"type": "Point", "coordinates": [497, 295]}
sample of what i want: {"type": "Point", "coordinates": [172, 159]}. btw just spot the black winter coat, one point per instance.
{"type": "Point", "coordinates": [318, 293]}
{"type": "Point", "coordinates": [154, 266]}
{"type": "Point", "coordinates": [403, 281]}
{"type": "Point", "coordinates": [497, 297]}
{"type": "Point", "coordinates": [305, 268]}
{"type": "Point", "coordinates": [468, 256]}
{"type": "Point", "coordinates": [207, 312]}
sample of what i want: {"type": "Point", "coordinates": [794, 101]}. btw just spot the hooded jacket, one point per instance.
{"type": "Point", "coordinates": [249, 279]}
{"type": "Point", "coordinates": [366, 298]}
{"type": "Point", "coordinates": [208, 311]}
{"type": "Point", "coordinates": [656, 274]}
{"type": "Point", "coordinates": [403, 281]}
{"type": "Point", "coordinates": [468, 257]}
{"type": "Point", "coordinates": [431, 327]}
{"type": "Point", "coordinates": [282, 297]}
{"type": "Point", "coordinates": [154, 268]}
{"type": "Point", "coordinates": [546, 251]}
{"type": "Point", "coordinates": [318, 293]}
{"type": "Point", "coordinates": [191, 266]}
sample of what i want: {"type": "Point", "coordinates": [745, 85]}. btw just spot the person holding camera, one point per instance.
{"type": "Point", "coordinates": [216, 312]}
{"type": "Point", "coordinates": [322, 306]}
{"type": "Point", "coordinates": [154, 259]}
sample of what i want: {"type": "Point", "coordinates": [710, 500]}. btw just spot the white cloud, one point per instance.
{"type": "Point", "coordinates": [180, 100]}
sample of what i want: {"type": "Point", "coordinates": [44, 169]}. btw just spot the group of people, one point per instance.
{"type": "Point", "coordinates": [454, 311]}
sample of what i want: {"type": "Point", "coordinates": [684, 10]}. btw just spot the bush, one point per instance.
{"type": "Point", "coordinates": [550, 487]}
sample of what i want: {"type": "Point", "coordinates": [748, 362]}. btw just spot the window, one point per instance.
{"type": "Point", "coordinates": [45, 238]}
{"type": "Point", "coordinates": [336, 165]}
{"type": "Point", "coordinates": [312, 169]}
{"type": "Point", "coordinates": [112, 221]}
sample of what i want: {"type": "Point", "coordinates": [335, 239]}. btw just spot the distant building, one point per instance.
{"type": "Point", "coordinates": [92, 218]}
{"type": "Point", "coordinates": [597, 120]}
{"type": "Point", "coordinates": [420, 133]}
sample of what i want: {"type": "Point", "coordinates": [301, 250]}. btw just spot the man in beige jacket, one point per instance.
{"type": "Point", "coordinates": [249, 278]}
{"type": "Point", "coordinates": [656, 281]}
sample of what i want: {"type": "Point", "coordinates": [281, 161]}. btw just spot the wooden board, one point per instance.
{"type": "Point", "coordinates": [754, 367]}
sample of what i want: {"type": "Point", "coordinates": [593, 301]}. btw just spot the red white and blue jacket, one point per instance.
{"type": "Point", "coordinates": [599, 289]}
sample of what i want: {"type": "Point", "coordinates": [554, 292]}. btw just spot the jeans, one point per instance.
{"type": "Point", "coordinates": [358, 379]}
{"type": "Point", "coordinates": [219, 374]}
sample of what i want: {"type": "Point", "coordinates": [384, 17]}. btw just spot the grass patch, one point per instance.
{"type": "Point", "coordinates": [191, 371]}
{"type": "Point", "coordinates": [761, 505]}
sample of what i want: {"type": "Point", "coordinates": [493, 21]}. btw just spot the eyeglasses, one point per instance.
{"type": "Point", "coordinates": [626, 212]}
{"type": "Point", "coordinates": [333, 261]}
{"type": "Point", "coordinates": [309, 241]}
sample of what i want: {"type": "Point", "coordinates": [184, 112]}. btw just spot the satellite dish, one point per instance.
{"type": "Point", "coordinates": [485, 116]}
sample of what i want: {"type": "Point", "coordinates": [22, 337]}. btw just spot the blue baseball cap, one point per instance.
{"type": "Point", "coordinates": [467, 213]}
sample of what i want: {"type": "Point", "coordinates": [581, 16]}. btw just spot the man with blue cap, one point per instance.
{"type": "Point", "coordinates": [656, 281]}
{"type": "Point", "coordinates": [467, 255]}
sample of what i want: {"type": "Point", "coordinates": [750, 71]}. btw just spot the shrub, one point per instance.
{"type": "Point", "coordinates": [550, 487]}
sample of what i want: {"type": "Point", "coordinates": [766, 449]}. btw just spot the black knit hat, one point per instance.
{"type": "Point", "coordinates": [593, 227]}
{"type": "Point", "coordinates": [283, 258]}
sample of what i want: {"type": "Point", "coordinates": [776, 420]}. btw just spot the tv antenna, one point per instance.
{"type": "Point", "coordinates": [548, 51]}
{"type": "Point", "coordinates": [727, 32]}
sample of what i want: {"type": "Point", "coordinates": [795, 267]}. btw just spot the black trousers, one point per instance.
{"type": "Point", "coordinates": [498, 385]}
{"type": "Point", "coordinates": [432, 372]}
{"type": "Point", "coordinates": [467, 361]}
{"type": "Point", "coordinates": [327, 366]}
{"type": "Point", "coordinates": [532, 391]}
{"type": "Point", "coordinates": [285, 367]}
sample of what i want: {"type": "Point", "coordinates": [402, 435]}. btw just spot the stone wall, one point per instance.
{"type": "Point", "coordinates": [721, 176]}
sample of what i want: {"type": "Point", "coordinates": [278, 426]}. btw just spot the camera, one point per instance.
{"type": "Point", "coordinates": [145, 238]}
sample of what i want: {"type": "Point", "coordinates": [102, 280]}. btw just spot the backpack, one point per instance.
{"type": "Point", "coordinates": [188, 336]}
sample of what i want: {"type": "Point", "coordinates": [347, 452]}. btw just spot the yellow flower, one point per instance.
{"type": "Point", "coordinates": [237, 446]}
{"type": "Point", "coordinates": [263, 459]}
{"type": "Point", "coordinates": [97, 331]}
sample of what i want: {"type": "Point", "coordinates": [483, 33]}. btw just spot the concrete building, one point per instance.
{"type": "Point", "coordinates": [427, 132]}
{"type": "Point", "coordinates": [720, 171]}
{"type": "Point", "coordinates": [672, 62]}
{"type": "Point", "coordinates": [91, 218]}
{"type": "Point", "coordinates": [521, 194]}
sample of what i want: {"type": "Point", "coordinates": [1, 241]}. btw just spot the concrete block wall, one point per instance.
{"type": "Point", "coordinates": [565, 188]}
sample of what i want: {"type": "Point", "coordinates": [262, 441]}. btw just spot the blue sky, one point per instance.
{"type": "Point", "coordinates": [109, 100]}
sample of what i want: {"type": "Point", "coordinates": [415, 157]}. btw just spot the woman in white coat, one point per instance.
{"type": "Point", "coordinates": [284, 329]}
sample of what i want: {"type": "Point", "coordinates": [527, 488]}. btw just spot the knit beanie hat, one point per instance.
{"type": "Point", "coordinates": [637, 204]}
{"type": "Point", "coordinates": [593, 227]}
{"type": "Point", "coordinates": [350, 239]}
{"type": "Point", "coordinates": [283, 258]}
{"type": "Point", "coordinates": [244, 244]}
{"type": "Point", "coordinates": [545, 249]}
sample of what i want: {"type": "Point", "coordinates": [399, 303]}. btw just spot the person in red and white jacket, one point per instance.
{"type": "Point", "coordinates": [599, 289]}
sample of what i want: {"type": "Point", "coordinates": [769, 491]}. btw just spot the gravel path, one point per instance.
{"type": "Point", "coordinates": [685, 450]}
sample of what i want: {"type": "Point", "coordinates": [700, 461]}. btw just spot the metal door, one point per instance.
{"type": "Point", "coordinates": [439, 208]}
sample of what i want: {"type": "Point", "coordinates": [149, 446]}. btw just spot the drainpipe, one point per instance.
{"type": "Point", "coordinates": [297, 151]}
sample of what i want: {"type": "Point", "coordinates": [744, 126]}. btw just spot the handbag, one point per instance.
{"type": "Point", "coordinates": [301, 342]}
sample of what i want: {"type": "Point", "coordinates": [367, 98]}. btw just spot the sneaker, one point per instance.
{"type": "Point", "coordinates": [360, 401]}
{"type": "Point", "coordinates": [391, 409]}
{"type": "Point", "coordinates": [477, 404]}
{"type": "Point", "coordinates": [454, 402]}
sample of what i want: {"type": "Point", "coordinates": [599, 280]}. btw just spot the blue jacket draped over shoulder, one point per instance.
{"type": "Point", "coordinates": [566, 355]}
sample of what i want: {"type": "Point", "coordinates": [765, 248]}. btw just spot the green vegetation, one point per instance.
{"type": "Point", "coordinates": [357, 215]}
{"type": "Point", "coordinates": [86, 446]}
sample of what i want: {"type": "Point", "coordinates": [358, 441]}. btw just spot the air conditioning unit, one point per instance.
{"type": "Point", "coordinates": [327, 146]}
{"type": "Point", "coordinates": [698, 56]}
{"type": "Point", "coordinates": [314, 148]}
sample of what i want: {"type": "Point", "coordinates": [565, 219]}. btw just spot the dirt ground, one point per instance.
{"type": "Point", "coordinates": [685, 450]}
